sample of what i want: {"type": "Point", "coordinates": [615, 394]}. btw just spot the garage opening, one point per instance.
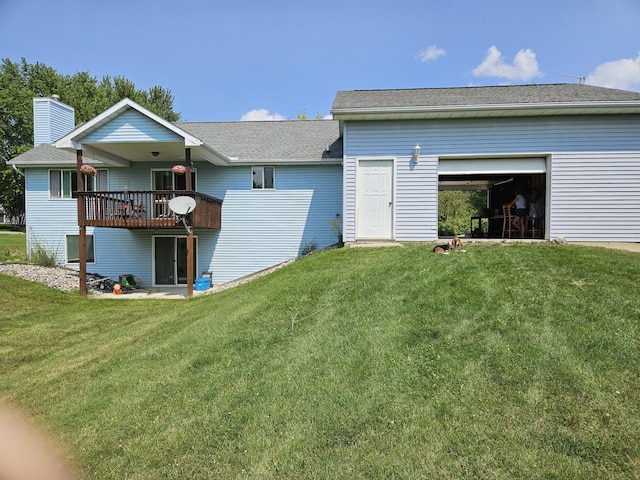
{"type": "Point", "coordinates": [471, 193]}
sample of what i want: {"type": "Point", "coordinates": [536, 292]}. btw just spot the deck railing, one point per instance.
{"type": "Point", "coordinates": [147, 209]}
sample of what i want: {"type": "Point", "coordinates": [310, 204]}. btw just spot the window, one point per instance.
{"type": "Point", "coordinates": [167, 180]}
{"type": "Point", "coordinates": [73, 249]}
{"type": "Point", "coordinates": [62, 183]}
{"type": "Point", "coordinates": [263, 177]}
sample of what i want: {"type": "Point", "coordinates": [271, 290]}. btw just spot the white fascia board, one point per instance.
{"type": "Point", "coordinates": [75, 136]}
{"type": "Point", "coordinates": [287, 161]}
{"type": "Point", "coordinates": [501, 110]}
{"type": "Point", "coordinates": [53, 100]}
{"type": "Point", "coordinates": [214, 156]}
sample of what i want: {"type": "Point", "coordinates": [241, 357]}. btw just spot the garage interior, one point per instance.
{"type": "Point", "coordinates": [499, 180]}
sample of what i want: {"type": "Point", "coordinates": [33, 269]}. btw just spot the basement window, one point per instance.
{"type": "Point", "coordinates": [73, 249]}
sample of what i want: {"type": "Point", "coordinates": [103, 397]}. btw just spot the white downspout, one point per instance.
{"type": "Point", "coordinates": [18, 170]}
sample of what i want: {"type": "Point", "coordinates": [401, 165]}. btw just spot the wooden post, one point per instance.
{"type": "Point", "coordinates": [187, 164]}
{"type": "Point", "coordinates": [190, 256]}
{"type": "Point", "coordinates": [190, 264]}
{"type": "Point", "coordinates": [83, 229]}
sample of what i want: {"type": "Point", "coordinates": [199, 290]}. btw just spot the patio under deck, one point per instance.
{"type": "Point", "coordinates": [133, 209]}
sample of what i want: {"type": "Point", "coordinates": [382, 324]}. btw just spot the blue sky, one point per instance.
{"type": "Point", "coordinates": [264, 59]}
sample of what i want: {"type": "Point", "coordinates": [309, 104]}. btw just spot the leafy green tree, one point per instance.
{"type": "Point", "coordinates": [20, 82]}
{"type": "Point", "coordinates": [456, 207]}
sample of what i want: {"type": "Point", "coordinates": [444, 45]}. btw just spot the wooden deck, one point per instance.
{"type": "Point", "coordinates": [146, 209]}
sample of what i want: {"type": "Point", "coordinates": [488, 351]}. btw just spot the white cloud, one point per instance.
{"type": "Point", "coordinates": [431, 53]}
{"type": "Point", "coordinates": [524, 66]}
{"type": "Point", "coordinates": [259, 114]}
{"type": "Point", "coordinates": [623, 74]}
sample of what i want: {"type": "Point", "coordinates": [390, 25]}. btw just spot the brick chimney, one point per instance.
{"type": "Point", "coordinates": [52, 119]}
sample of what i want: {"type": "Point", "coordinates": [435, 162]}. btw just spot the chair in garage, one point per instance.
{"type": "Point", "coordinates": [507, 223]}
{"type": "Point", "coordinates": [535, 227]}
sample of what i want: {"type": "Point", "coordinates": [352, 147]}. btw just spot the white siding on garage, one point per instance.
{"type": "Point", "coordinates": [595, 196]}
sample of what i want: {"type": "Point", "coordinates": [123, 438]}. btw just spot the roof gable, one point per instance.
{"type": "Point", "coordinates": [112, 116]}
{"type": "Point", "coordinates": [131, 126]}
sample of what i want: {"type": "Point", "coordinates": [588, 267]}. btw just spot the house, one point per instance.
{"type": "Point", "coordinates": [265, 191]}
{"type": "Point", "coordinates": [577, 145]}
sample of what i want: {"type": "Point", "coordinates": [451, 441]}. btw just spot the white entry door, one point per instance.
{"type": "Point", "coordinates": [375, 199]}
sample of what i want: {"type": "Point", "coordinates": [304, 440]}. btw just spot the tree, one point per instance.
{"type": "Point", "coordinates": [20, 82]}
{"type": "Point", "coordinates": [455, 207]}
{"type": "Point", "coordinates": [302, 115]}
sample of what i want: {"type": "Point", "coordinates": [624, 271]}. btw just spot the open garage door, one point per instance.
{"type": "Point", "coordinates": [499, 178]}
{"type": "Point", "coordinates": [491, 166]}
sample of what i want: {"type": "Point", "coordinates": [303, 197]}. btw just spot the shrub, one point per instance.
{"type": "Point", "coordinates": [40, 255]}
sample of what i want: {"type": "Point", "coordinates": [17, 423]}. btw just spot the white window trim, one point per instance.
{"type": "Point", "coordinates": [262, 167]}
{"type": "Point", "coordinates": [61, 170]}
{"type": "Point", "coordinates": [66, 248]}
{"type": "Point", "coordinates": [194, 171]}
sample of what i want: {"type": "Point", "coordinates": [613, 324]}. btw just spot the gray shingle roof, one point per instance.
{"type": "Point", "coordinates": [277, 141]}
{"type": "Point", "coordinates": [476, 96]}
{"type": "Point", "coordinates": [45, 154]}
{"type": "Point", "coordinates": [271, 140]}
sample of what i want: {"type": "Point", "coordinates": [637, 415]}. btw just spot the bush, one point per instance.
{"type": "Point", "coordinates": [39, 255]}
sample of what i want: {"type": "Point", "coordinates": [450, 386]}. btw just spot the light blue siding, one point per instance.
{"type": "Point", "coordinates": [349, 199]}
{"type": "Point", "coordinates": [51, 120]}
{"type": "Point", "coordinates": [564, 136]}
{"type": "Point", "coordinates": [260, 228]}
{"type": "Point", "coordinates": [417, 201]}
{"type": "Point", "coordinates": [132, 126]}
{"type": "Point", "coordinates": [48, 221]}
{"type": "Point", "coordinates": [595, 196]}
{"type": "Point", "coordinates": [489, 136]}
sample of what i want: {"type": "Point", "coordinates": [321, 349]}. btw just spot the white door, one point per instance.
{"type": "Point", "coordinates": [375, 199]}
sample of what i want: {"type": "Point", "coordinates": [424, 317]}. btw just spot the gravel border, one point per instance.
{"type": "Point", "coordinates": [64, 279]}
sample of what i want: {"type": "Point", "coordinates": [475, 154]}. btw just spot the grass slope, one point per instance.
{"type": "Point", "coordinates": [516, 361]}
{"type": "Point", "coordinates": [12, 246]}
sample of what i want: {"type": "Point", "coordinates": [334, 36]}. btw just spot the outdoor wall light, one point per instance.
{"type": "Point", "coordinates": [155, 154]}
{"type": "Point", "coordinates": [416, 153]}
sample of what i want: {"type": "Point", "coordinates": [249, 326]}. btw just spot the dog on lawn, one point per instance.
{"type": "Point", "coordinates": [455, 244]}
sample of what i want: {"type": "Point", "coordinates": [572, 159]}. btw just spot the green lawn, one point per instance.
{"type": "Point", "coordinates": [507, 361]}
{"type": "Point", "coordinates": [13, 247]}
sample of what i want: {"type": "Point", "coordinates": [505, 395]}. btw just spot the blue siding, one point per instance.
{"type": "Point", "coordinates": [51, 120]}
{"type": "Point", "coordinates": [417, 201]}
{"type": "Point", "coordinates": [595, 196]}
{"type": "Point", "coordinates": [260, 228]}
{"type": "Point", "coordinates": [48, 221]}
{"type": "Point", "coordinates": [489, 136]}
{"type": "Point", "coordinates": [131, 126]}
{"type": "Point", "coordinates": [578, 138]}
